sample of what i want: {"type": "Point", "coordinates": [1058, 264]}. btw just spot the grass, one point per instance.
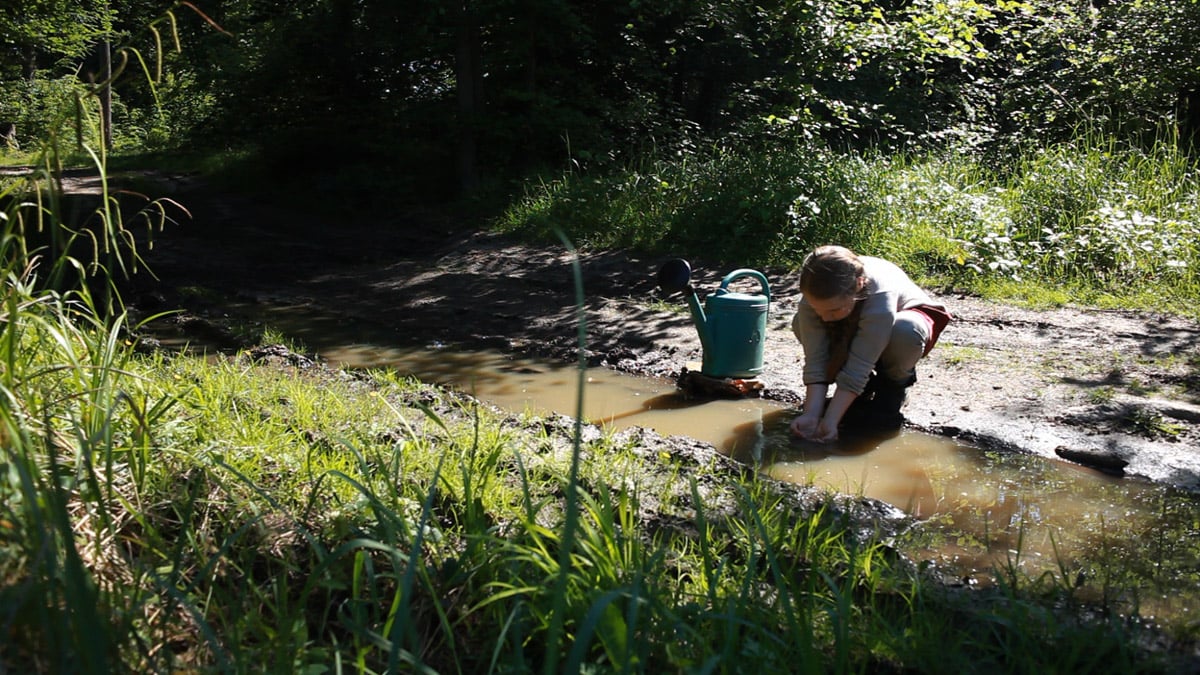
{"type": "Point", "coordinates": [1152, 423]}
{"type": "Point", "coordinates": [1088, 222]}
{"type": "Point", "coordinates": [168, 513]}
{"type": "Point", "coordinates": [958, 355]}
{"type": "Point", "coordinates": [672, 306]}
{"type": "Point", "coordinates": [1101, 395]}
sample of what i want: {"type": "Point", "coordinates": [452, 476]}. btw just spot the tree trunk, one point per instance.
{"type": "Point", "coordinates": [468, 79]}
{"type": "Point", "coordinates": [1188, 119]}
{"type": "Point", "coordinates": [29, 64]}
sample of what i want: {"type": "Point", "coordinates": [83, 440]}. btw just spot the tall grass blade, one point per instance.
{"type": "Point", "coordinates": [567, 543]}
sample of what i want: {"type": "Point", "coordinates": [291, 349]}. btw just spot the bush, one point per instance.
{"type": "Point", "coordinates": [751, 207]}
{"type": "Point", "coordinates": [43, 108]}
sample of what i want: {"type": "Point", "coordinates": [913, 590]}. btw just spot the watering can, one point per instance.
{"type": "Point", "coordinates": [732, 326]}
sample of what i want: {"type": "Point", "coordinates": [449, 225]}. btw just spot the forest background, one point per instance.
{"type": "Point", "coordinates": [975, 141]}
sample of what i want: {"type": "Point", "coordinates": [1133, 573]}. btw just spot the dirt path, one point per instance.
{"type": "Point", "coordinates": [1118, 390]}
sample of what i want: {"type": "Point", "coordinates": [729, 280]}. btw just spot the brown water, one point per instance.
{"type": "Point", "coordinates": [981, 510]}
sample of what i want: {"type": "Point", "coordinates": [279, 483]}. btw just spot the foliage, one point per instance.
{"type": "Point", "coordinates": [605, 85]}
{"type": "Point", "coordinates": [49, 30]}
{"type": "Point", "coordinates": [66, 241]}
{"type": "Point", "coordinates": [501, 89]}
{"type": "Point", "coordinates": [172, 513]}
{"type": "Point", "coordinates": [58, 47]}
{"type": "Point", "coordinates": [1090, 213]}
{"type": "Point", "coordinates": [41, 108]}
{"type": "Point", "coordinates": [765, 206]}
{"type": "Point", "coordinates": [1128, 67]}
{"type": "Point", "coordinates": [1009, 72]}
{"type": "Point", "coordinates": [1093, 216]}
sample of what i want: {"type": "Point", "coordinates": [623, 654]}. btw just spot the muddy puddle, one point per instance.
{"type": "Point", "coordinates": [980, 511]}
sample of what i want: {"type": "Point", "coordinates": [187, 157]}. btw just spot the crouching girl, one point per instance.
{"type": "Point", "coordinates": [863, 325]}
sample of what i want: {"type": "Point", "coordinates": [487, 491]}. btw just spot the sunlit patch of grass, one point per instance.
{"type": "Point", "coordinates": [1028, 294]}
{"type": "Point", "coordinates": [273, 336]}
{"type": "Point", "coordinates": [670, 306]}
{"type": "Point", "coordinates": [751, 207]}
{"type": "Point", "coordinates": [959, 355]}
{"type": "Point", "coordinates": [1087, 222]}
{"type": "Point", "coordinates": [1101, 395]}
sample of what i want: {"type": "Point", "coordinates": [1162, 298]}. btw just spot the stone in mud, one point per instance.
{"type": "Point", "coordinates": [1108, 461]}
{"type": "Point", "coordinates": [279, 354]}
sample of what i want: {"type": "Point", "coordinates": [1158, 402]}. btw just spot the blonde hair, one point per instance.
{"type": "Point", "coordinates": [831, 272]}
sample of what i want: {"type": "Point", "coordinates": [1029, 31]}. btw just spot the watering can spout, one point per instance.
{"type": "Point", "coordinates": [676, 276]}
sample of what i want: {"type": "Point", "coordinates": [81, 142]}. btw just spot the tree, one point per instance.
{"type": "Point", "coordinates": [34, 31]}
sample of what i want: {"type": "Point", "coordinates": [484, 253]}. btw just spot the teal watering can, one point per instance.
{"type": "Point", "coordinates": [732, 326]}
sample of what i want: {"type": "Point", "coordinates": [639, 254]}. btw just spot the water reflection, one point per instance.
{"type": "Point", "coordinates": [672, 401]}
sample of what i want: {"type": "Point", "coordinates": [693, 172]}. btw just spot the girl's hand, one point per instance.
{"type": "Point", "coordinates": [814, 429]}
{"type": "Point", "coordinates": [825, 432]}
{"type": "Point", "coordinates": [805, 426]}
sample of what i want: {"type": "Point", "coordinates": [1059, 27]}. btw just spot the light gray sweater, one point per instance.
{"type": "Point", "coordinates": [888, 292]}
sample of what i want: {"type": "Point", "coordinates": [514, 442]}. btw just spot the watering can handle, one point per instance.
{"type": "Point", "coordinates": [737, 274]}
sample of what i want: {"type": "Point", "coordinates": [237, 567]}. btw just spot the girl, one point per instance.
{"type": "Point", "coordinates": [863, 325]}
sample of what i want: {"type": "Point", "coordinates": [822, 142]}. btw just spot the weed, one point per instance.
{"type": "Point", "coordinates": [1139, 388]}
{"type": "Point", "coordinates": [959, 355]}
{"type": "Point", "coordinates": [669, 306]}
{"type": "Point", "coordinates": [1151, 423]}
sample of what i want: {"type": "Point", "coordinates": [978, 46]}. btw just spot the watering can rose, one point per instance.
{"type": "Point", "coordinates": [732, 326]}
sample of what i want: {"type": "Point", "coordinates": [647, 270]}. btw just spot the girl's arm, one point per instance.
{"type": "Point", "coordinates": [805, 425]}
{"type": "Point", "coordinates": [828, 429]}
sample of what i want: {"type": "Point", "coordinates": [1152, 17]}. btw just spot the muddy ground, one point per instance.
{"type": "Point", "coordinates": [1112, 389]}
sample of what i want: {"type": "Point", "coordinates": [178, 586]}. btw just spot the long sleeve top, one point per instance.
{"type": "Point", "coordinates": [888, 291]}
